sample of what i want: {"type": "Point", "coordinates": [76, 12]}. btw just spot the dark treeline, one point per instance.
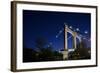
{"type": "Point", "coordinates": [30, 55]}
{"type": "Point", "coordinates": [82, 52]}
{"type": "Point", "coordinates": [41, 52]}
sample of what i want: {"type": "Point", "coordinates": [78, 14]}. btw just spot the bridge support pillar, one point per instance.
{"type": "Point", "coordinates": [65, 52]}
{"type": "Point", "coordinates": [74, 40]}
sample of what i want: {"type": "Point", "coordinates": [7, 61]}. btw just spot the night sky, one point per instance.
{"type": "Point", "coordinates": [48, 24]}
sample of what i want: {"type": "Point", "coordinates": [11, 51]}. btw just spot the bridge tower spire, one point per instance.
{"type": "Point", "coordinates": [65, 51]}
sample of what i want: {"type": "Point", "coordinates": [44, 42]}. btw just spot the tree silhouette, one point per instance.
{"type": "Point", "coordinates": [27, 55]}
{"type": "Point", "coordinates": [41, 52]}
{"type": "Point", "coordinates": [82, 52]}
{"type": "Point", "coordinates": [46, 53]}
{"type": "Point", "coordinates": [40, 43]}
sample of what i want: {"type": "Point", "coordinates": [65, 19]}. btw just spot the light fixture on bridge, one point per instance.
{"type": "Point", "coordinates": [56, 36]}
{"type": "Point", "coordinates": [77, 29]}
{"type": "Point", "coordinates": [60, 31]}
{"type": "Point", "coordinates": [86, 32]}
{"type": "Point", "coordinates": [70, 27]}
{"type": "Point", "coordinates": [49, 44]}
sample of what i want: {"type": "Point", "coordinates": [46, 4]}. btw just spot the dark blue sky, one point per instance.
{"type": "Point", "coordinates": [47, 24]}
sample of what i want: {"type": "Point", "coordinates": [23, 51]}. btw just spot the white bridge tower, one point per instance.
{"type": "Point", "coordinates": [75, 35]}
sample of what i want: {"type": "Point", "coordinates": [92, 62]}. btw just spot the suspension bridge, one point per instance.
{"type": "Point", "coordinates": [75, 35]}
